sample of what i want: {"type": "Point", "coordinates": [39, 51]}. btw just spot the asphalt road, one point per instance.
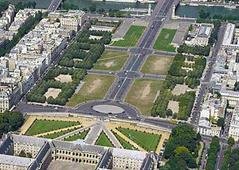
{"type": "Point", "coordinates": [206, 79]}
{"type": "Point", "coordinates": [160, 12]}
{"type": "Point", "coordinates": [54, 5]}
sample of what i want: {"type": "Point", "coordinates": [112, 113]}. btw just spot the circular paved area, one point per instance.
{"type": "Point", "coordinates": [104, 108]}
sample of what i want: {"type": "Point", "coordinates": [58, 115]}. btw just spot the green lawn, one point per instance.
{"type": "Point", "coordinates": [81, 135]}
{"type": "Point", "coordinates": [111, 60]}
{"type": "Point", "coordinates": [94, 87]}
{"type": "Point", "coordinates": [147, 141]}
{"type": "Point", "coordinates": [103, 140]}
{"type": "Point", "coordinates": [124, 143]}
{"type": "Point", "coordinates": [42, 126]}
{"type": "Point", "coordinates": [58, 134]}
{"type": "Point", "coordinates": [131, 37]}
{"type": "Point", "coordinates": [143, 93]}
{"type": "Point", "coordinates": [157, 65]}
{"type": "Point", "coordinates": [164, 40]}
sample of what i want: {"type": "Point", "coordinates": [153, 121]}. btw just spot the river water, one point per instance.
{"type": "Point", "coordinates": [87, 3]}
{"type": "Point", "coordinates": [182, 11]}
{"type": "Point", "coordinates": [193, 11]}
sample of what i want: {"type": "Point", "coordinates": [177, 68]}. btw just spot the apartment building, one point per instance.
{"type": "Point", "coordinates": [212, 109]}
{"type": "Point", "coordinates": [234, 124]}
{"type": "Point", "coordinates": [26, 62]}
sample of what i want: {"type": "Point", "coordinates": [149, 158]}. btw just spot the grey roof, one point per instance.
{"type": "Point", "coordinates": [15, 160]}
{"type": "Point", "coordinates": [80, 147]}
{"type": "Point", "coordinates": [105, 161]}
{"type": "Point", "coordinates": [30, 140]}
{"type": "Point", "coordinates": [5, 145]}
{"type": "Point", "coordinates": [123, 153]}
{"type": "Point", "coordinates": [147, 163]}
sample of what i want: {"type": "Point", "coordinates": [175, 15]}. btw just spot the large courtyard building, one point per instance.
{"type": "Point", "coordinates": [199, 34]}
{"type": "Point", "coordinates": [31, 153]}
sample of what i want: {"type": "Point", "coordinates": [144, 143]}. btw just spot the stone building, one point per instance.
{"type": "Point", "coordinates": [32, 153]}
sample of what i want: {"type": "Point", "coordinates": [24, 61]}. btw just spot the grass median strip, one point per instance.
{"type": "Point", "coordinates": [103, 140]}
{"type": "Point", "coordinates": [164, 40]}
{"type": "Point", "coordinates": [147, 141]}
{"type": "Point", "coordinates": [42, 126]}
{"type": "Point", "coordinates": [131, 37]}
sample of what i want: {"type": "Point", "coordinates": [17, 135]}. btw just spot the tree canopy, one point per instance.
{"type": "Point", "coordinates": [10, 121]}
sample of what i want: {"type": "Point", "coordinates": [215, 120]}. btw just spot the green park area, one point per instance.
{"type": "Point", "coordinates": [42, 126]}
{"type": "Point", "coordinates": [103, 140]}
{"type": "Point", "coordinates": [143, 93]}
{"type": "Point", "coordinates": [93, 87]}
{"type": "Point", "coordinates": [157, 65]}
{"type": "Point", "coordinates": [131, 37]}
{"type": "Point", "coordinates": [77, 136]}
{"type": "Point", "coordinates": [147, 141]}
{"type": "Point", "coordinates": [164, 40]}
{"type": "Point", "coordinates": [111, 60]}
{"type": "Point", "coordinates": [125, 144]}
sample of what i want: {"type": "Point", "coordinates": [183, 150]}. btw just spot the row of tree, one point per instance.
{"type": "Point", "coordinates": [84, 52]}
{"type": "Point", "coordinates": [10, 121]}
{"type": "Point", "coordinates": [212, 153]}
{"type": "Point", "coordinates": [231, 156]}
{"type": "Point", "coordinates": [182, 148]}
{"type": "Point", "coordinates": [67, 89]}
{"type": "Point", "coordinates": [178, 75]}
{"type": "Point", "coordinates": [186, 102]}
{"type": "Point", "coordinates": [194, 50]}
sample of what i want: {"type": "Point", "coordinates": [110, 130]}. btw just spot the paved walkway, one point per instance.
{"type": "Point", "coordinates": [112, 138]}
{"type": "Point", "coordinates": [72, 133]}
{"type": "Point", "coordinates": [27, 125]}
{"type": "Point", "coordinates": [94, 133]}
{"type": "Point", "coordinates": [122, 30]}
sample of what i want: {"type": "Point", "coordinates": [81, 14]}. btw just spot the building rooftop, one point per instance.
{"type": "Point", "coordinates": [15, 160]}
{"type": "Point", "coordinates": [116, 152]}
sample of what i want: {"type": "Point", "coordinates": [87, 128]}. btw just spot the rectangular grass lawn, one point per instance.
{"type": "Point", "coordinates": [164, 40]}
{"type": "Point", "coordinates": [94, 87]}
{"type": "Point", "coordinates": [147, 141]}
{"type": "Point", "coordinates": [111, 60]}
{"type": "Point", "coordinates": [142, 94]}
{"type": "Point", "coordinates": [42, 126]}
{"type": "Point", "coordinates": [103, 140]}
{"type": "Point", "coordinates": [131, 37]}
{"type": "Point", "coordinates": [157, 65]}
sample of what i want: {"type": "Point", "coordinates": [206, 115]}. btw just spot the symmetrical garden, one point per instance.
{"type": "Point", "coordinates": [71, 129]}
